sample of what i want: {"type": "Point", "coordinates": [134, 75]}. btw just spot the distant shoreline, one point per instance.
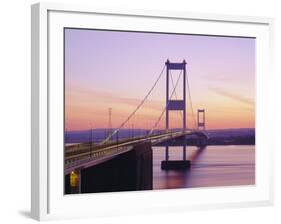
{"type": "Point", "coordinates": [138, 129]}
{"type": "Point", "coordinates": [241, 136]}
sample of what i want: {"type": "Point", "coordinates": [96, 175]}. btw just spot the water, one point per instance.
{"type": "Point", "coordinates": [214, 166]}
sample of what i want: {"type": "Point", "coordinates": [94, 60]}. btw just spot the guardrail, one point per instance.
{"type": "Point", "coordinates": [95, 151]}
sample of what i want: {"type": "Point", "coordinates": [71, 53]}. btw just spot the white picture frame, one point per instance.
{"type": "Point", "coordinates": [48, 201]}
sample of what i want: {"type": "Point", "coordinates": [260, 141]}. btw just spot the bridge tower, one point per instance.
{"type": "Point", "coordinates": [201, 122]}
{"type": "Point", "coordinates": [178, 104]}
{"type": "Point", "coordinates": [175, 105]}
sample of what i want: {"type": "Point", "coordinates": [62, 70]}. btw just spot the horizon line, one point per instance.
{"type": "Point", "coordinates": [155, 129]}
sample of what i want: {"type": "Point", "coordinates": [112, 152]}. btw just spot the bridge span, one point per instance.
{"type": "Point", "coordinates": [118, 165]}
{"type": "Point", "coordinates": [84, 155]}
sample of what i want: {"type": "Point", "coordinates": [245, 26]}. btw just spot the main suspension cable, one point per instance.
{"type": "Point", "coordinates": [137, 108]}
{"type": "Point", "coordinates": [190, 99]}
{"type": "Point", "coordinates": [163, 111]}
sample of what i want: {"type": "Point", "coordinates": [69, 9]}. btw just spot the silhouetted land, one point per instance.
{"type": "Point", "coordinates": [244, 136]}
{"type": "Point", "coordinates": [230, 137]}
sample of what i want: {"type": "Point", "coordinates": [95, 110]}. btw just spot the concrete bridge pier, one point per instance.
{"type": "Point", "coordinates": [128, 171]}
{"type": "Point", "coordinates": [202, 141]}
{"type": "Point", "coordinates": [175, 164]}
{"type": "Point", "coordinates": [184, 152]}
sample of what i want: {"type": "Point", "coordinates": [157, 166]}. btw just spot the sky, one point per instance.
{"type": "Point", "coordinates": [115, 69]}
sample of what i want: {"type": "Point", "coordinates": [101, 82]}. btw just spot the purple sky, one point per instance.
{"type": "Point", "coordinates": [116, 69]}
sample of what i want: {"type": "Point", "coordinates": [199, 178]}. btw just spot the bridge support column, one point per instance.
{"type": "Point", "coordinates": [166, 153]}
{"type": "Point", "coordinates": [184, 152]}
{"type": "Point", "coordinates": [202, 142]}
{"type": "Point", "coordinates": [128, 171]}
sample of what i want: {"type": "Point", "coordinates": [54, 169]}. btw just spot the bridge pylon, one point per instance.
{"type": "Point", "coordinates": [175, 105]}
{"type": "Point", "coordinates": [201, 122]}
{"type": "Point", "coordinates": [178, 104]}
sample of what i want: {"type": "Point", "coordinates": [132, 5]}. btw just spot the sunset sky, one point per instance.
{"type": "Point", "coordinates": [111, 69]}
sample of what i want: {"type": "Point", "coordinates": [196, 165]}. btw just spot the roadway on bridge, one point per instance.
{"type": "Point", "coordinates": [85, 155]}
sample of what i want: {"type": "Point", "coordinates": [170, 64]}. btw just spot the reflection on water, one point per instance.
{"type": "Point", "coordinates": [213, 166]}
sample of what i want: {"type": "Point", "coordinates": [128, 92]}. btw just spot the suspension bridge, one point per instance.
{"type": "Point", "coordinates": [86, 156]}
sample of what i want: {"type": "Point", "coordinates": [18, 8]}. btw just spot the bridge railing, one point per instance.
{"type": "Point", "coordinates": [90, 156]}
{"type": "Point", "coordinates": [90, 150]}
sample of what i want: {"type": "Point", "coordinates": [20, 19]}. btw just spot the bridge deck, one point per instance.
{"type": "Point", "coordinates": [86, 154]}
